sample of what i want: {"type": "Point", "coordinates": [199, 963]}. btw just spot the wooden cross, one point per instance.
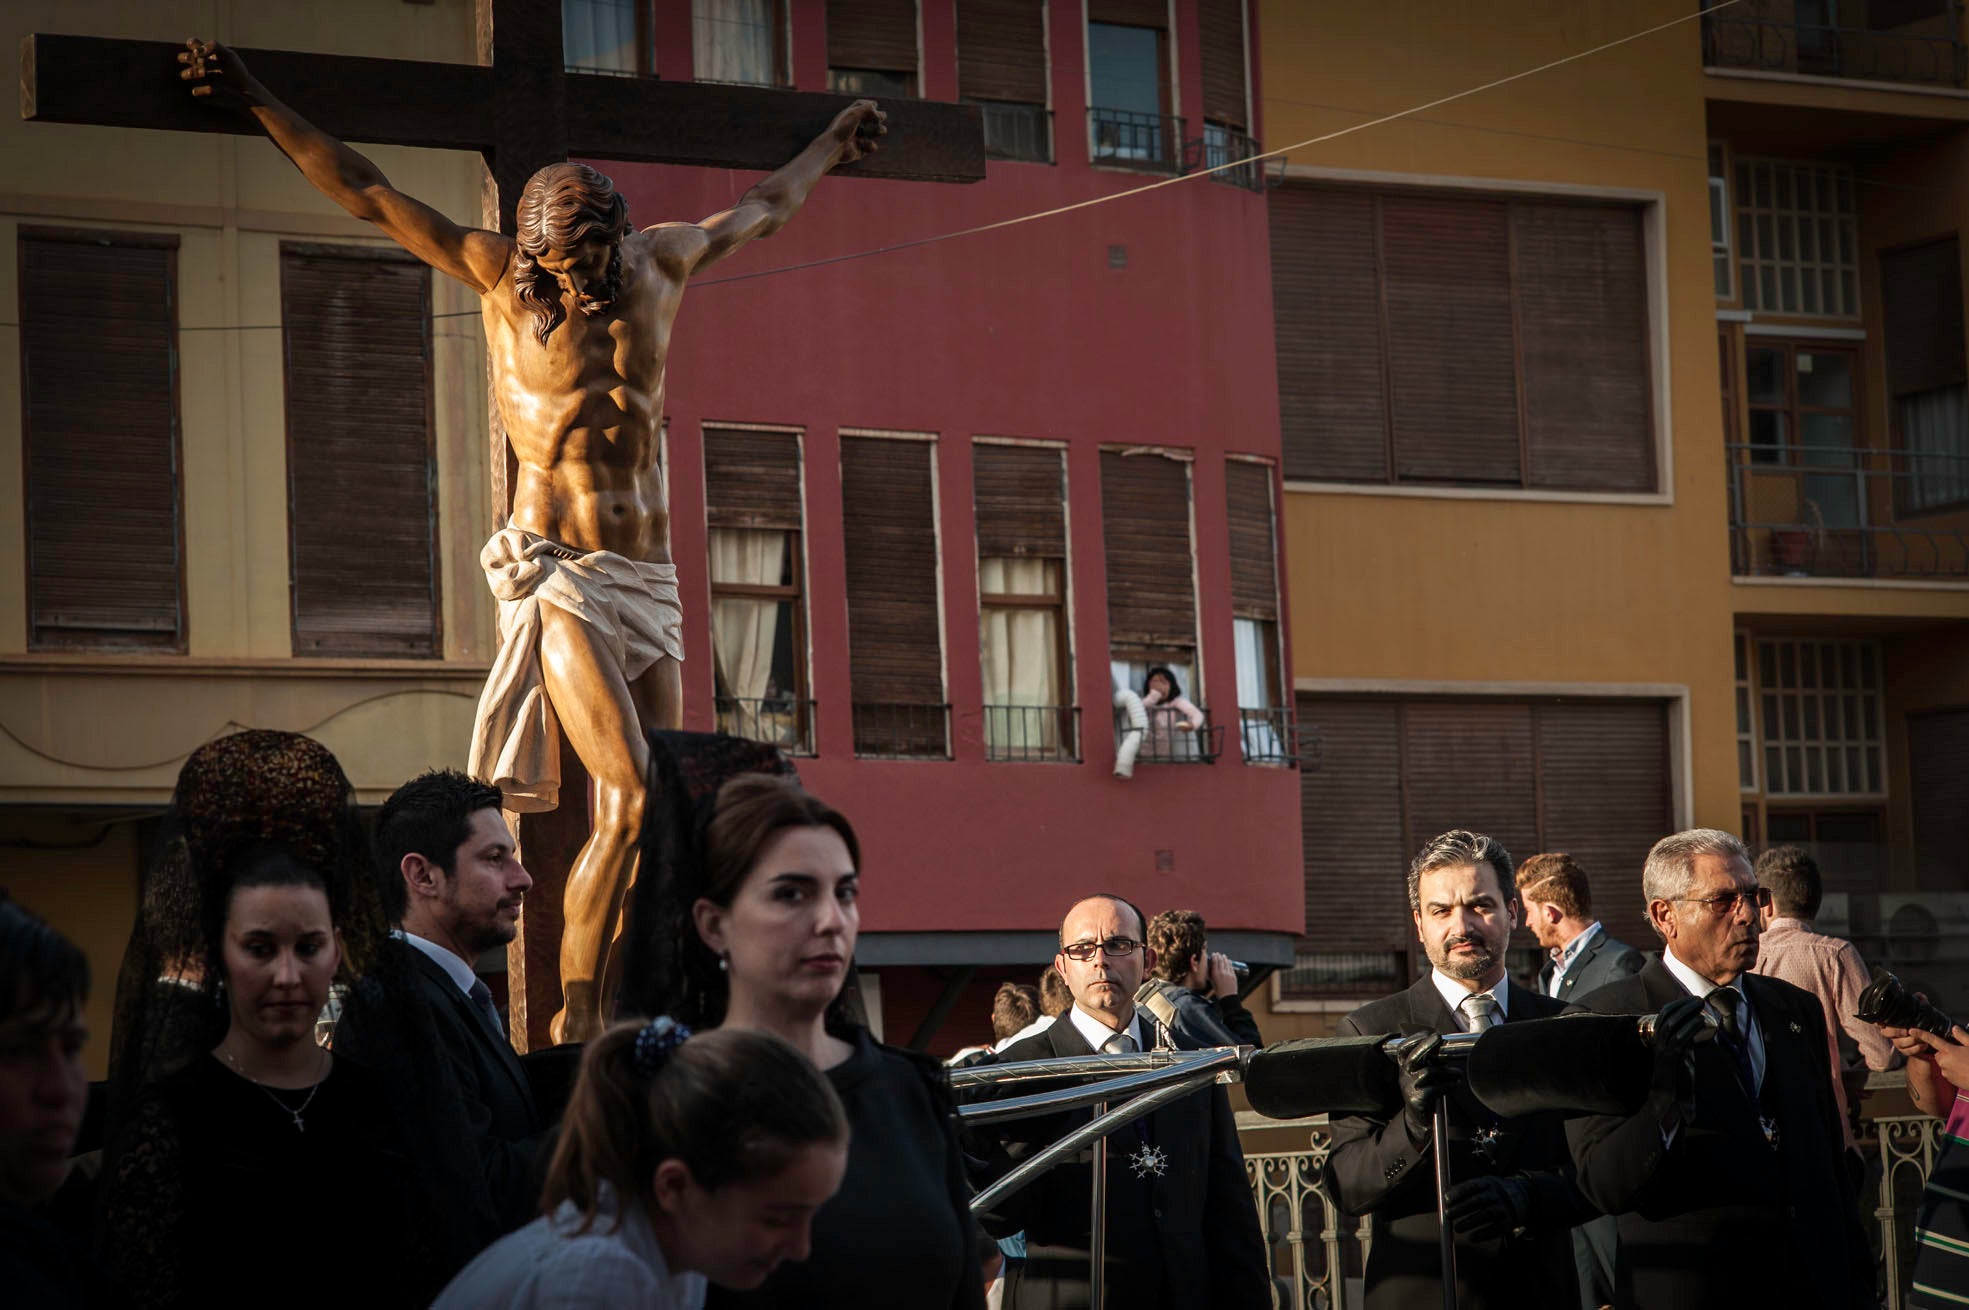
{"type": "Point", "coordinates": [521, 110]}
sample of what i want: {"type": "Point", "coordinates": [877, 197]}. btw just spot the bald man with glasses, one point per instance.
{"type": "Point", "coordinates": [1182, 1226]}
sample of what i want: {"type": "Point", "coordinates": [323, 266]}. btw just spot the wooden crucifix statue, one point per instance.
{"type": "Point", "coordinates": [578, 309]}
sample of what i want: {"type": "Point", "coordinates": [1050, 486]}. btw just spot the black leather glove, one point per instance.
{"type": "Point", "coordinates": [1423, 1083]}
{"type": "Point", "coordinates": [1679, 1026]}
{"type": "Point", "coordinates": [1486, 1208]}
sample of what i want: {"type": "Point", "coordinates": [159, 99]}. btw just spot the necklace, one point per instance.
{"type": "Point", "coordinates": [291, 1111]}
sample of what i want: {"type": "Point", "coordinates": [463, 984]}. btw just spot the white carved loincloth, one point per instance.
{"type": "Point", "coordinates": [631, 606]}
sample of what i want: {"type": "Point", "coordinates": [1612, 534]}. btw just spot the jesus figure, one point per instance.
{"type": "Point", "coordinates": [577, 310]}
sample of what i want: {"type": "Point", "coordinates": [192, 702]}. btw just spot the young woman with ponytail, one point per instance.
{"type": "Point", "coordinates": [682, 1160]}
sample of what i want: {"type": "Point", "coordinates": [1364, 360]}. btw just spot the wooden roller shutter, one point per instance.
{"type": "Point", "coordinates": [1356, 850]}
{"type": "Point", "coordinates": [1021, 502]}
{"type": "Point", "coordinates": [1452, 363]}
{"type": "Point", "coordinates": [1145, 527]}
{"type": "Point", "coordinates": [889, 517]}
{"type": "Point", "coordinates": [1921, 296]}
{"type": "Point", "coordinates": [357, 337]}
{"type": "Point", "coordinates": [876, 34]}
{"type": "Point", "coordinates": [1326, 317]}
{"type": "Point", "coordinates": [1254, 548]}
{"type": "Point", "coordinates": [1222, 23]}
{"type": "Point", "coordinates": [99, 369]}
{"type": "Point", "coordinates": [752, 479]}
{"type": "Point", "coordinates": [1129, 13]}
{"type": "Point", "coordinates": [1001, 50]}
{"type": "Point", "coordinates": [1938, 778]}
{"type": "Point", "coordinates": [1604, 778]}
{"type": "Point", "coordinates": [1469, 765]}
{"type": "Point", "coordinates": [1583, 322]}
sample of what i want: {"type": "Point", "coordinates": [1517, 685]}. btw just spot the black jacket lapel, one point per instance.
{"type": "Point", "coordinates": [445, 992]}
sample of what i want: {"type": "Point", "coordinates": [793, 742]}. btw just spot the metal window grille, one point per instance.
{"type": "Point", "coordinates": [1746, 729]}
{"type": "Point", "coordinates": [1719, 224]}
{"type": "Point", "coordinates": [1032, 733]}
{"type": "Point", "coordinates": [782, 722]}
{"type": "Point", "coordinates": [1820, 717]}
{"type": "Point", "coordinates": [1319, 974]}
{"type": "Point", "coordinates": [1797, 237]}
{"type": "Point", "coordinates": [1015, 131]}
{"type": "Point", "coordinates": [897, 731]}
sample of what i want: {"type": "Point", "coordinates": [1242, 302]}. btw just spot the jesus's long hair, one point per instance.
{"type": "Point", "coordinates": [562, 205]}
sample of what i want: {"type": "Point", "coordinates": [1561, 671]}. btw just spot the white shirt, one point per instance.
{"type": "Point", "coordinates": [1697, 985]}
{"type": "Point", "coordinates": [454, 968]}
{"type": "Point", "coordinates": [1098, 1034]}
{"type": "Point", "coordinates": [1563, 957]}
{"type": "Point", "coordinates": [547, 1264]}
{"type": "Point", "coordinates": [1039, 1025]}
{"type": "Point", "coordinates": [1454, 993]}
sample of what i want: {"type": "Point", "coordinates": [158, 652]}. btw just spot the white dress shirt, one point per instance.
{"type": "Point", "coordinates": [454, 968]}
{"type": "Point", "coordinates": [1697, 985]}
{"type": "Point", "coordinates": [1563, 957]}
{"type": "Point", "coordinates": [1098, 1034]}
{"type": "Point", "coordinates": [1454, 993]}
{"type": "Point", "coordinates": [1039, 1025]}
{"type": "Point", "coordinates": [548, 1264]}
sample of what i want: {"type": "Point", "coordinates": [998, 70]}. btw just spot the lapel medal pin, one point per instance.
{"type": "Point", "coordinates": [1149, 1160]}
{"type": "Point", "coordinates": [1797, 1027]}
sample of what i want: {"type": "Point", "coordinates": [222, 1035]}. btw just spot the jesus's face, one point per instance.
{"type": "Point", "coordinates": [590, 272]}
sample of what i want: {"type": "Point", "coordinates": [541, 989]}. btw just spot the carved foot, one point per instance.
{"type": "Point", "coordinates": [578, 1020]}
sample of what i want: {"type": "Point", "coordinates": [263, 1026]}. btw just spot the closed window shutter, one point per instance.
{"type": "Point", "coordinates": [1469, 765]}
{"type": "Point", "coordinates": [1603, 768]}
{"type": "Point", "coordinates": [1254, 553]}
{"type": "Point", "coordinates": [1326, 316]}
{"type": "Point", "coordinates": [875, 34]}
{"type": "Point", "coordinates": [1356, 848]}
{"type": "Point", "coordinates": [99, 368]}
{"type": "Point", "coordinates": [1921, 295]}
{"type": "Point", "coordinates": [1129, 13]}
{"type": "Point", "coordinates": [1001, 50]}
{"type": "Point", "coordinates": [1938, 774]}
{"type": "Point", "coordinates": [752, 479]}
{"type": "Point", "coordinates": [889, 517]}
{"type": "Point", "coordinates": [1452, 359]}
{"type": "Point", "coordinates": [1222, 23]}
{"type": "Point", "coordinates": [357, 334]}
{"type": "Point", "coordinates": [1021, 502]}
{"type": "Point", "coordinates": [1583, 313]}
{"type": "Point", "coordinates": [1145, 528]}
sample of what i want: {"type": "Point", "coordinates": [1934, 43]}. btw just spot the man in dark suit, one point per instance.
{"type": "Point", "coordinates": [1737, 1148]}
{"type": "Point", "coordinates": [1182, 1227]}
{"type": "Point", "coordinates": [1581, 956]}
{"type": "Point", "coordinates": [1512, 1202]}
{"type": "Point", "coordinates": [449, 876]}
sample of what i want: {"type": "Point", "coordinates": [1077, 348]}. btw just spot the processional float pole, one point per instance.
{"type": "Point", "coordinates": [1097, 1246]}
{"type": "Point", "coordinates": [1447, 1238]}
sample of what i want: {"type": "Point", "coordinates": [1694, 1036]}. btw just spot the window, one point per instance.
{"type": "Point", "coordinates": [1151, 576]}
{"type": "Point", "coordinates": [607, 36]}
{"type": "Point", "coordinates": [1264, 721]}
{"type": "Point", "coordinates": [739, 41]}
{"type": "Point", "coordinates": [1746, 728]}
{"type": "Point", "coordinates": [871, 47]}
{"type": "Point", "coordinates": [1128, 93]}
{"type": "Point", "coordinates": [1001, 68]}
{"type": "Point", "coordinates": [1938, 774]}
{"type": "Point", "coordinates": [99, 368]}
{"type": "Point", "coordinates": [1796, 236]}
{"type": "Point", "coordinates": [1472, 341]}
{"type": "Point", "coordinates": [1719, 221]}
{"type": "Point", "coordinates": [895, 616]}
{"type": "Point", "coordinates": [1803, 415]}
{"type": "Point", "coordinates": [1819, 717]}
{"type": "Point", "coordinates": [1921, 298]}
{"type": "Point", "coordinates": [758, 614]}
{"type": "Point", "coordinates": [356, 333]}
{"type": "Point", "coordinates": [1221, 24]}
{"type": "Point", "coordinates": [1586, 775]}
{"type": "Point", "coordinates": [1022, 629]}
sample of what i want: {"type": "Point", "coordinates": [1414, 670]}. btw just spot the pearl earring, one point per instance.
{"type": "Point", "coordinates": [724, 962]}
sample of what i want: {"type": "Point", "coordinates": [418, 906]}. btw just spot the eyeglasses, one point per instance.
{"type": "Point", "coordinates": [1116, 946]}
{"type": "Point", "coordinates": [1724, 904]}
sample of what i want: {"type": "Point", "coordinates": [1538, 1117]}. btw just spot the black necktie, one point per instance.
{"type": "Point", "coordinates": [481, 997]}
{"type": "Point", "coordinates": [1727, 1004]}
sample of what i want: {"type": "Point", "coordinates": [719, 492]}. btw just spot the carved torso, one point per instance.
{"type": "Point", "coordinates": [584, 410]}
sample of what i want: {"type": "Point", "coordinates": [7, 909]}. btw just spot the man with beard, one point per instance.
{"type": "Point", "coordinates": [578, 313]}
{"type": "Point", "coordinates": [1738, 1146]}
{"type": "Point", "coordinates": [1512, 1201]}
{"type": "Point", "coordinates": [451, 880]}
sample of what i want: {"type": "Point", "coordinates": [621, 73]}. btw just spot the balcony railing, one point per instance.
{"type": "Point", "coordinates": [1168, 738]}
{"type": "Point", "coordinates": [1139, 140]}
{"type": "Point", "coordinates": [1017, 131]}
{"type": "Point", "coordinates": [1266, 736]}
{"type": "Point", "coordinates": [1220, 145]}
{"type": "Point", "coordinates": [898, 731]}
{"type": "Point", "coordinates": [1324, 975]}
{"type": "Point", "coordinates": [787, 724]}
{"type": "Point", "coordinates": [1761, 35]}
{"type": "Point", "coordinates": [1825, 512]}
{"type": "Point", "coordinates": [1047, 734]}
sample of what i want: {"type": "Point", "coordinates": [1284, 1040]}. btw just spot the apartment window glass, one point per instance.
{"type": "Point", "coordinates": [356, 334]}
{"type": "Point", "coordinates": [1921, 298]}
{"type": "Point", "coordinates": [1001, 68]}
{"type": "Point", "coordinates": [1463, 340]}
{"type": "Point", "coordinates": [1264, 721]}
{"type": "Point", "coordinates": [895, 641]}
{"type": "Point", "coordinates": [607, 36]}
{"type": "Point", "coordinates": [1819, 717]}
{"type": "Point", "coordinates": [871, 47]}
{"type": "Point", "coordinates": [1746, 727]}
{"type": "Point", "coordinates": [99, 372]}
{"type": "Point", "coordinates": [1719, 222]}
{"type": "Point", "coordinates": [1022, 554]}
{"type": "Point", "coordinates": [1797, 237]}
{"type": "Point", "coordinates": [1128, 83]}
{"type": "Point", "coordinates": [1803, 414]}
{"type": "Point", "coordinates": [758, 615]}
{"type": "Point", "coordinates": [739, 41]}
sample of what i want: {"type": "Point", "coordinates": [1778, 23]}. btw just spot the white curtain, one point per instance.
{"type": "Point", "coordinates": [1020, 654]}
{"type": "Point", "coordinates": [1254, 689]}
{"type": "Point", "coordinates": [599, 34]}
{"type": "Point", "coordinates": [1935, 434]}
{"type": "Point", "coordinates": [732, 40]}
{"type": "Point", "coordinates": [744, 628]}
